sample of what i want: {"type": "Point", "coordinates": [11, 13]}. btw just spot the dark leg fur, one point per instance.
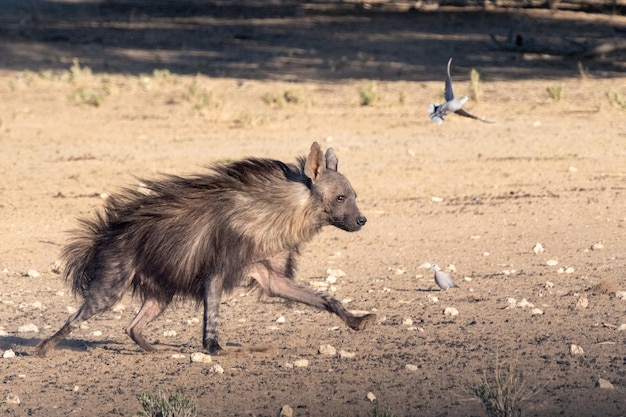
{"type": "Point", "coordinates": [150, 309]}
{"type": "Point", "coordinates": [212, 299]}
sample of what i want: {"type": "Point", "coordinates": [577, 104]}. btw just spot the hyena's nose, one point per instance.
{"type": "Point", "coordinates": [361, 220]}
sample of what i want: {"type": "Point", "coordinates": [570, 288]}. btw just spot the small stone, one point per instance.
{"type": "Point", "coordinates": [410, 367]}
{"type": "Point", "coordinates": [511, 303]}
{"type": "Point", "coordinates": [71, 309]}
{"type": "Point", "coordinates": [178, 356]}
{"type": "Point", "coordinates": [200, 357]}
{"type": "Point", "coordinates": [620, 295]}
{"type": "Point", "coordinates": [346, 355]}
{"type": "Point", "coordinates": [407, 321]}
{"type": "Point", "coordinates": [600, 383]}
{"type": "Point", "coordinates": [552, 262]}
{"type": "Point", "coordinates": [301, 363]}
{"type": "Point", "coordinates": [37, 305]}
{"type": "Point", "coordinates": [33, 273]}
{"type": "Point", "coordinates": [12, 399]}
{"type": "Point", "coordinates": [286, 411]}
{"type": "Point", "coordinates": [118, 308]}
{"type": "Point", "coordinates": [216, 369]}
{"type": "Point", "coordinates": [538, 248]}
{"type": "Point", "coordinates": [524, 303]}
{"type": "Point", "coordinates": [436, 199]}
{"type": "Point", "coordinates": [60, 293]}
{"type": "Point", "coordinates": [433, 299]}
{"type": "Point", "coordinates": [97, 333]}
{"type": "Point", "coordinates": [536, 312]}
{"type": "Point", "coordinates": [28, 328]}
{"type": "Point", "coordinates": [450, 311]}
{"type": "Point", "coordinates": [3, 333]}
{"type": "Point", "coordinates": [582, 303]}
{"type": "Point", "coordinates": [281, 320]}
{"type": "Point", "coordinates": [170, 333]}
{"type": "Point", "coordinates": [370, 396]}
{"type": "Point", "coordinates": [8, 354]}
{"type": "Point", "coordinates": [331, 279]}
{"type": "Point", "coordinates": [327, 350]}
{"type": "Point", "coordinates": [335, 272]}
{"type": "Point", "coordinates": [451, 268]}
{"type": "Point", "coordinates": [569, 270]}
{"type": "Point", "coordinates": [549, 285]}
{"type": "Point", "coordinates": [572, 168]}
{"type": "Point", "coordinates": [621, 327]}
{"type": "Point", "coordinates": [76, 388]}
{"type": "Point", "coordinates": [576, 350]}
{"type": "Point", "coordinates": [597, 246]}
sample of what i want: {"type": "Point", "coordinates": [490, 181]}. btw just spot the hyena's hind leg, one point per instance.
{"type": "Point", "coordinates": [90, 308]}
{"type": "Point", "coordinates": [151, 308]}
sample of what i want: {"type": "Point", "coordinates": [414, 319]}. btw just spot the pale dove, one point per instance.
{"type": "Point", "coordinates": [443, 279]}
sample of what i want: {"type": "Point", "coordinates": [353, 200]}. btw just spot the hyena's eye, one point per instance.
{"type": "Point", "coordinates": [341, 198]}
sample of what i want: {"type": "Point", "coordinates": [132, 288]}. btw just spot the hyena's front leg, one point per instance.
{"type": "Point", "coordinates": [212, 298]}
{"type": "Point", "coordinates": [277, 284]}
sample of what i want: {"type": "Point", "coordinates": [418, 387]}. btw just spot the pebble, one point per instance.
{"type": "Point", "coordinates": [335, 272]}
{"type": "Point", "coordinates": [170, 333]}
{"type": "Point", "coordinates": [8, 354]}
{"type": "Point", "coordinates": [331, 279]}
{"type": "Point", "coordinates": [597, 246]}
{"type": "Point", "coordinates": [346, 355]}
{"type": "Point", "coordinates": [582, 303]}
{"type": "Point", "coordinates": [601, 383]}
{"type": "Point", "coordinates": [28, 328]}
{"type": "Point", "coordinates": [118, 308]}
{"type": "Point", "coordinates": [37, 305]}
{"type": "Point", "coordinates": [328, 350]}
{"type": "Point", "coordinates": [621, 327]}
{"type": "Point", "coordinates": [216, 369]}
{"type": "Point", "coordinates": [552, 262]}
{"type": "Point", "coordinates": [549, 285]}
{"type": "Point", "coordinates": [538, 248]}
{"type": "Point", "coordinates": [281, 320]}
{"type": "Point", "coordinates": [200, 357]}
{"type": "Point", "coordinates": [179, 356]}
{"type": "Point", "coordinates": [301, 363]}
{"type": "Point", "coordinates": [512, 303]}
{"type": "Point", "coordinates": [433, 299]}
{"type": "Point", "coordinates": [12, 399]}
{"type": "Point", "coordinates": [524, 303]}
{"type": "Point", "coordinates": [33, 273]}
{"type": "Point", "coordinates": [536, 312]}
{"type": "Point", "coordinates": [576, 350]}
{"type": "Point", "coordinates": [97, 333]}
{"type": "Point", "coordinates": [71, 309]}
{"type": "Point", "coordinates": [56, 267]}
{"type": "Point", "coordinates": [3, 333]}
{"type": "Point", "coordinates": [450, 311]}
{"type": "Point", "coordinates": [286, 411]}
{"type": "Point", "coordinates": [411, 367]}
{"type": "Point", "coordinates": [370, 396]}
{"type": "Point", "coordinates": [621, 295]}
{"type": "Point", "coordinates": [407, 321]}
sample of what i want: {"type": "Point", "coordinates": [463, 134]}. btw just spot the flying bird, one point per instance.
{"type": "Point", "coordinates": [443, 279]}
{"type": "Point", "coordinates": [438, 112]}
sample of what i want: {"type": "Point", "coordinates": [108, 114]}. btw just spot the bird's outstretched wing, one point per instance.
{"type": "Point", "coordinates": [463, 112]}
{"type": "Point", "coordinates": [449, 92]}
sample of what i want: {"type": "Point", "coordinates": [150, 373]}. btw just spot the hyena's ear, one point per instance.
{"type": "Point", "coordinates": [314, 165]}
{"type": "Point", "coordinates": [331, 159]}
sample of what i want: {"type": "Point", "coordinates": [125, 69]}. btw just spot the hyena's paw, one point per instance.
{"type": "Point", "coordinates": [360, 323]}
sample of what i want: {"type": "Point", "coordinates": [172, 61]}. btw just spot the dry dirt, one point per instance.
{"type": "Point", "coordinates": [473, 195]}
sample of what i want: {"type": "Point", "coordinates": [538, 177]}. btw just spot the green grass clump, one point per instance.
{"type": "Point", "coordinates": [556, 92]}
{"type": "Point", "coordinates": [617, 100]}
{"type": "Point", "coordinates": [369, 94]}
{"type": "Point", "coordinates": [164, 405]}
{"type": "Point", "coordinates": [475, 90]}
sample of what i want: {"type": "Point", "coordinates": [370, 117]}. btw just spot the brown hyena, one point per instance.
{"type": "Point", "coordinates": [200, 236]}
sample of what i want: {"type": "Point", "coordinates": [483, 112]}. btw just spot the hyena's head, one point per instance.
{"type": "Point", "coordinates": [333, 189]}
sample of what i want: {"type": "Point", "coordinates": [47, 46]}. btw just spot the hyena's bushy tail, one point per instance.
{"type": "Point", "coordinates": [79, 253]}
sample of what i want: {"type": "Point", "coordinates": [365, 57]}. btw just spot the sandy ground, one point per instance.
{"type": "Point", "coordinates": [472, 195]}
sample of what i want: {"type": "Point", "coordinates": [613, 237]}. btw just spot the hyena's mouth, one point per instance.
{"type": "Point", "coordinates": [351, 225]}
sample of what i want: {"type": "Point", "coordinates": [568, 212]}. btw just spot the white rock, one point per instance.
{"type": "Point", "coordinates": [301, 363]}
{"type": "Point", "coordinates": [597, 246]}
{"type": "Point", "coordinates": [12, 399]}
{"type": "Point", "coordinates": [451, 268]}
{"type": "Point", "coordinates": [28, 328]}
{"type": "Point", "coordinates": [33, 273]}
{"type": "Point", "coordinates": [97, 333]}
{"type": "Point", "coordinates": [201, 357]}
{"type": "Point", "coordinates": [327, 350]}
{"type": "Point", "coordinates": [538, 248]}
{"type": "Point", "coordinates": [486, 254]}
{"type": "Point", "coordinates": [286, 411]}
{"type": "Point", "coordinates": [569, 270]}
{"type": "Point", "coordinates": [433, 299]}
{"type": "Point", "coordinates": [370, 396]}
{"type": "Point", "coordinates": [179, 356]}
{"type": "Point", "coordinates": [280, 320]}
{"type": "Point", "coordinates": [407, 321]}
{"type": "Point", "coordinates": [549, 285]}
{"type": "Point", "coordinates": [536, 312]}
{"type": "Point", "coordinates": [3, 333]}
{"type": "Point", "coordinates": [436, 199]}
{"type": "Point", "coordinates": [335, 272]}
{"type": "Point", "coordinates": [604, 384]}
{"type": "Point", "coordinates": [410, 367]}
{"type": "Point", "coordinates": [60, 293]}
{"type": "Point", "coordinates": [552, 262]}
{"type": "Point", "coordinates": [331, 279]}
{"type": "Point", "coordinates": [8, 354]}
{"type": "Point", "coordinates": [346, 355]}
{"type": "Point", "coordinates": [71, 309]}
{"type": "Point", "coordinates": [621, 295]}
{"type": "Point", "coordinates": [511, 303]}
{"type": "Point", "coordinates": [216, 369]}
{"type": "Point", "coordinates": [118, 308]}
{"type": "Point", "coordinates": [450, 311]}
{"type": "Point", "coordinates": [582, 303]}
{"type": "Point", "coordinates": [621, 327]}
{"type": "Point", "coordinates": [524, 303]}
{"type": "Point", "coordinates": [76, 388]}
{"type": "Point", "coordinates": [576, 350]}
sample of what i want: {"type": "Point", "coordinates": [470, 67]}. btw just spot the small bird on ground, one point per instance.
{"type": "Point", "coordinates": [443, 279]}
{"type": "Point", "coordinates": [438, 112]}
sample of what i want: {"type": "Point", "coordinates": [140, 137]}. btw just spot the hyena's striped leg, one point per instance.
{"type": "Point", "coordinates": [212, 299]}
